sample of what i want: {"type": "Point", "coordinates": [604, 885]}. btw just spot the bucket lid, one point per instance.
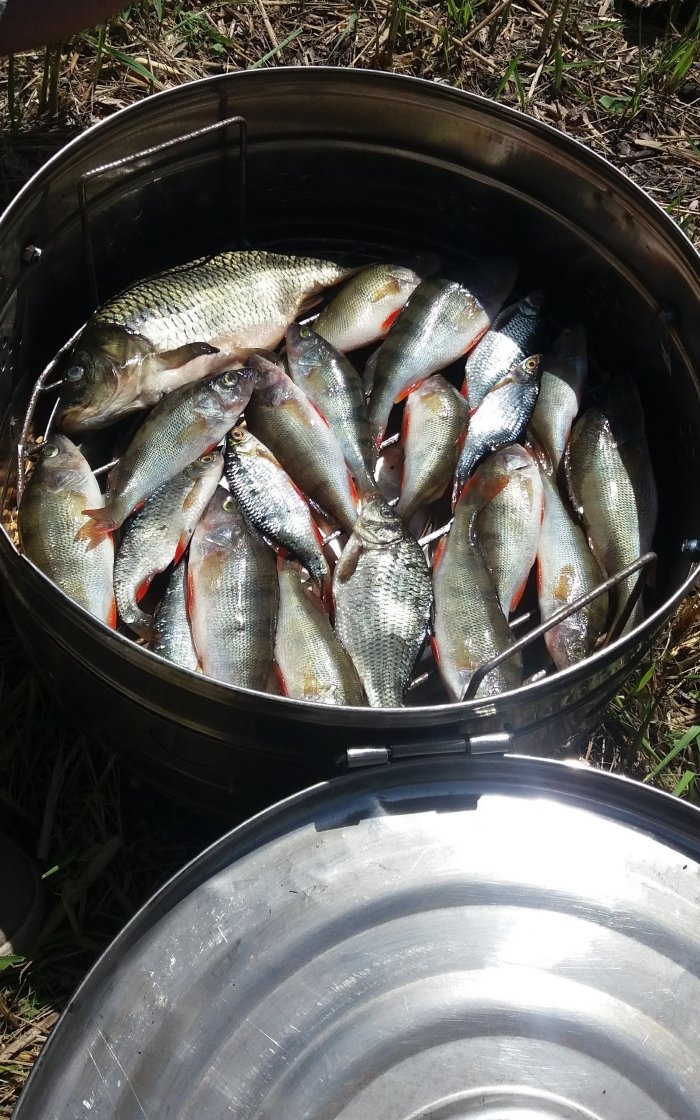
{"type": "Point", "coordinates": [489, 938]}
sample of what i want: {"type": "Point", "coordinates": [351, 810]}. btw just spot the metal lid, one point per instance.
{"type": "Point", "coordinates": [505, 939]}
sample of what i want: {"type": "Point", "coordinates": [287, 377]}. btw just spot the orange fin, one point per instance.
{"type": "Point", "coordinates": [487, 491]}
{"type": "Point", "coordinates": [190, 593]}
{"type": "Point", "coordinates": [404, 392]}
{"type": "Point", "coordinates": [97, 529]}
{"type": "Point", "coordinates": [435, 649]}
{"type": "Point", "coordinates": [112, 617]}
{"type": "Point", "coordinates": [280, 679]}
{"type": "Point", "coordinates": [518, 594]}
{"type": "Point", "coordinates": [391, 318]}
{"type": "Point", "coordinates": [181, 546]}
{"type": "Point", "coordinates": [142, 588]}
{"type": "Point", "coordinates": [437, 558]}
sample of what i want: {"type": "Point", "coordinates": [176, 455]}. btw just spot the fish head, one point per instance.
{"type": "Point", "coordinates": [240, 441]}
{"type": "Point", "coordinates": [98, 376]}
{"type": "Point", "coordinates": [305, 349]}
{"type": "Point", "coordinates": [569, 642]}
{"type": "Point", "coordinates": [208, 464]}
{"type": "Point", "coordinates": [222, 524]}
{"type": "Point", "coordinates": [59, 463]}
{"type": "Point", "coordinates": [534, 303]}
{"type": "Point", "coordinates": [377, 524]}
{"type": "Point", "coordinates": [526, 372]}
{"type": "Point", "coordinates": [232, 389]}
{"type": "Point", "coordinates": [272, 385]}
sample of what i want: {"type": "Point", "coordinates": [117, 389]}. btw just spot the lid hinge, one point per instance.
{"type": "Point", "coordinates": [497, 742]}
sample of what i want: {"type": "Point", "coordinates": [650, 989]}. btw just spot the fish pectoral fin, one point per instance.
{"type": "Point", "coordinates": [345, 568]}
{"type": "Point", "coordinates": [173, 359]}
{"type": "Point", "coordinates": [391, 286]}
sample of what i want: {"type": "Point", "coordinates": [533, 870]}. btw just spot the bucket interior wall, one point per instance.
{"type": "Point", "coordinates": [362, 167]}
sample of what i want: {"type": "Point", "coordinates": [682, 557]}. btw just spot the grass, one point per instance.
{"type": "Point", "coordinates": [624, 81]}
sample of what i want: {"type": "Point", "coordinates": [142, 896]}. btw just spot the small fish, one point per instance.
{"type": "Point", "coordinates": [441, 321]}
{"type": "Point", "coordinates": [50, 521]}
{"type": "Point", "coordinates": [186, 424]}
{"type": "Point", "coordinates": [282, 416]}
{"type": "Point", "coordinates": [561, 386]}
{"type": "Point", "coordinates": [333, 385]}
{"type": "Point", "coordinates": [501, 418]}
{"type": "Point", "coordinates": [232, 596]}
{"type": "Point", "coordinates": [159, 534]}
{"type": "Point", "coordinates": [191, 321]}
{"type": "Point", "coordinates": [366, 307]}
{"type": "Point", "coordinates": [272, 503]}
{"type": "Point", "coordinates": [566, 570]}
{"type": "Point", "coordinates": [312, 664]}
{"type": "Point", "coordinates": [382, 595]}
{"type": "Point", "coordinates": [172, 636]}
{"type": "Point", "coordinates": [434, 423]}
{"type": "Point", "coordinates": [508, 527]}
{"type": "Point", "coordinates": [612, 484]}
{"type": "Point", "coordinates": [514, 334]}
{"type": "Point", "coordinates": [469, 625]}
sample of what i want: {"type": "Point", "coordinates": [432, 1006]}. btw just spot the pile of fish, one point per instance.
{"type": "Point", "coordinates": [252, 527]}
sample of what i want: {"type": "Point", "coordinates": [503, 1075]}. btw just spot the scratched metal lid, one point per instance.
{"type": "Point", "coordinates": [504, 939]}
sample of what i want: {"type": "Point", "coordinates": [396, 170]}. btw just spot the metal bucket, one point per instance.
{"type": "Point", "coordinates": [492, 939]}
{"type": "Point", "coordinates": [371, 164]}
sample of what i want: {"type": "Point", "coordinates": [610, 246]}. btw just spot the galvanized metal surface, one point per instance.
{"type": "Point", "coordinates": [362, 163]}
{"type": "Point", "coordinates": [503, 939]}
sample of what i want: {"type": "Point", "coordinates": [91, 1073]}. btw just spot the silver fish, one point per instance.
{"type": "Point", "coordinates": [312, 663]}
{"type": "Point", "coordinates": [272, 503]}
{"type": "Point", "coordinates": [561, 386]}
{"type": "Point", "coordinates": [469, 625]}
{"type": "Point", "coordinates": [192, 321]}
{"type": "Point", "coordinates": [333, 385]}
{"type": "Point", "coordinates": [612, 483]}
{"type": "Point", "coordinates": [508, 527]}
{"type": "Point", "coordinates": [440, 322]}
{"type": "Point", "coordinates": [382, 595]}
{"type": "Point", "coordinates": [566, 570]}
{"type": "Point", "coordinates": [367, 306]}
{"type": "Point", "coordinates": [186, 424]}
{"type": "Point", "coordinates": [159, 534]}
{"type": "Point", "coordinates": [50, 521]}
{"type": "Point", "coordinates": [501, 418]}
{"type": "Point", "coordinates": [232, 596]}
{"type": "Point", "coordinates": [515, 333]}
{"type": "Point", "coordinates": [172, 636]}
{"type": "Point", "coordinates": [282, 416]}
{"type": "Point", "coordinates": [434, 422]}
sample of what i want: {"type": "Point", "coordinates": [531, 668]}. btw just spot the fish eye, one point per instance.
{"type": "Point", "coordinates": [209, 458]}
{"type": "Point", "coordinates": [74, 373]}
{"type": "Point", "coordinates": [49, 450]}
{"type": "Point", "coordinates": [531, 364]}
{"type": "Point", "coordinates": [304, 332]}
{"type": "Point", "coordinates": [228, 504]}
{"type": "Point", "coordinates": [237, 435]}
{"type": "Point", "coordinates": [230, 377]}
{"type": "Point", "coordinates": [387, 513]}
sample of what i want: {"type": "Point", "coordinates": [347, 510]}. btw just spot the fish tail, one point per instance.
{"type": "Point", "coordinates": [100, 526]}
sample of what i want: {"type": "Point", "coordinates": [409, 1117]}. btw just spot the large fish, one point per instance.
{"type": "Point", "coordinates": [172, 635]}
{"type": "Point", "coordinates": [515, 333]}
{"type": "Point", "coordinates": [434, 422]}
{"type": "Point", "coordinates": [312, 664]}
{"type": "Point", "coordinates": [272, 503]}
{"type": "Point", "coordinates": [50, 521]}
{"type": "Point", "coordinates": [367, 306]}
{"type": "Point", "coordinates": [612, 484]}
{"type": "Point", "coordinates": [508, 527]}
{"type": "Point", "coordinates": [441, 321]}
{"type": "Point", "coordinates": [282, 416]}
{"type": "Point", "coordinates": [562, 382]}
{"type": "Point", "coordinates": [232, 596]}
{"type": "Point", "coordinates": [159, 534]}
{"type": "Point", "coordinates": [334, 386]}
{"type": "Point", "coordinates": [186, 424]}
{"type": "Point", "coordinates": [469, 626]}
{"type": "Point", "coordinates": [190, 321]}
{"type": "Point", "coordinates": [566, 570]}
{"type": "Point", "coordinates": [501, 418]}
{"type": "Point", "coordinates": [382, 594]}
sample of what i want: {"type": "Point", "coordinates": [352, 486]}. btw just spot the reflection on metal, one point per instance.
{"type": "Point", "coordinates": [149, 154]}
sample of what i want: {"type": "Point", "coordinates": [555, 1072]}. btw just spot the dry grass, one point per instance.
{"type": "Point", "coordinates": [622, 80]}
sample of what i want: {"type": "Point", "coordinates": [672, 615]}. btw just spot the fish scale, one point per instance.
{"type": "Point", "coordinates": [562, 380]}
{"type": "Point", "coordinates": [171, 626]}
{"type": "Point", "coordinates": [382, 594]}
{"type": "Point", "coordinates": [216, 295]}
{"type": "Point", "coordinates": [364, 309]}
{"type": "Point", "coordinates": [232, 596]}
{"type": "Point", "coordinates": [508, 528]}
{"type": "Point", "coordinates": [434, 421]}
{"type": "Point", "coordinates": [50, 519]}
{"type": "Point", "coordinates": [158, 532]}
{"type": "Point", "coordinates": [514, 334]}
{"type": "Point", "coordinates": [612, 484]}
